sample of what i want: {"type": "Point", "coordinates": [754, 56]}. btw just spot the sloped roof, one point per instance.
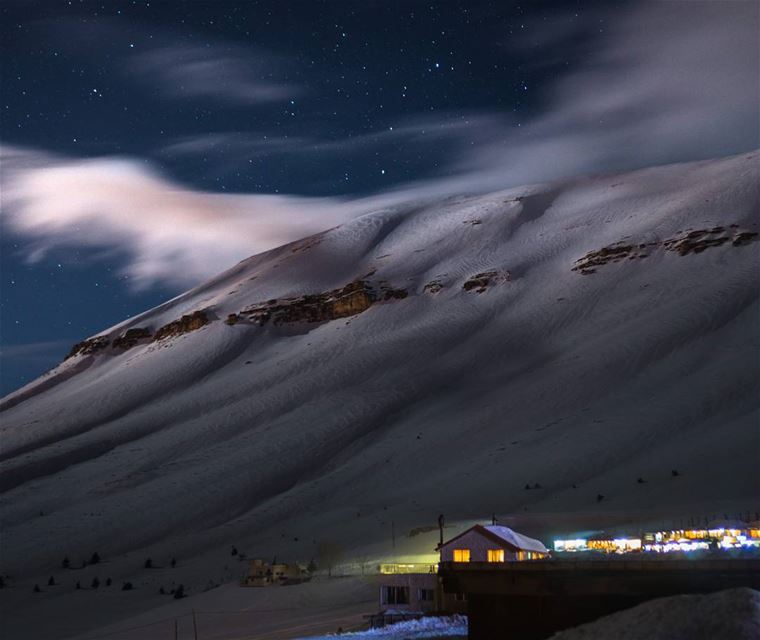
{"type": "Point", "coordinates": [505, 536]}
{"type": "Point", "coordinates": [518, 540]}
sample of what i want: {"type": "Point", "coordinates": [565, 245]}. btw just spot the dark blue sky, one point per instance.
{"type": "Point", "coordinates": [319, 99]}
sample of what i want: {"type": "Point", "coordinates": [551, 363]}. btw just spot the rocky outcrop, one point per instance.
{"type": "Point", "coordinates": [185, 324]}
{"type": "Point", "coordinates": [86, 347]}
{"type": "Point", "coordinates": [612, 253]}
{"type": "Point", "coordinates": [130, 338]}
{"type": "Point", "coordinates": [356, 297]}
{"type": "Point", "coordinates": [481, 281]}
{"type": "Point", "coordinates": [688, 242]}
{"type": "Point", "coordinates": [434, 286]}
{"type": "Point", "coordinates": [699, 240]}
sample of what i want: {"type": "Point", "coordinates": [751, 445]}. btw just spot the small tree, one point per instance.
{"type": "Point", "coordinates": [36, 588]}
{"type": "Point", "coordinates": [148, 563]}
{"type": "Point", "coordinates": [108, 582]}
{"type": "Point", "coordinates": [66, 563]}
{"type": "Point", "coordinates": [330, 554]}
{"type": "Point", "coordinates": [51, 581]}
{"type": "Point", "coordinates": [2, 582]}
{"type": "Point", "coordinates": [95, 582]}
{"type": "Point", "coordinates": [179, 592]}
{"type": "Point", "coordinates": [78, 585]}
{"type": "Point", "coordinates": [95, 558]}
{"type": "Point", "coordinates": [173, 563]}
{"type": "Point", "coordinates": [127, 586]}
{"type": "Point", "coordinates": [312, 566]}
{"type": "Point", "coordinates": [233, 551]}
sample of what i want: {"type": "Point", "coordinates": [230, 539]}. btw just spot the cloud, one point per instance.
{"type": "Point", "coordinates": [33, 350]}
{"type": "Point", "coordinates": [237, 76]}
{"type": "Point", "coordinates": [665, 82]}
{"type": "Point", "coordinates": [171, 233]}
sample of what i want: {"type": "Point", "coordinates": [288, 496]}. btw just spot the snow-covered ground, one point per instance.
{"type": "Point", "coordinates": [433, 627]}
{"type": "Point", "coordinates": [733, 614]}
{"type": "Point", "coordinates": [351, 434]}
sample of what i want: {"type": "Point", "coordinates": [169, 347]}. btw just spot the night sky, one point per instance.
{"type": "Point", "coordinates": [109, 106]}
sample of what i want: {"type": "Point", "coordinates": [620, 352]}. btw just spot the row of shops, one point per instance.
{"type": "Point", "coordinates": [725, 536]}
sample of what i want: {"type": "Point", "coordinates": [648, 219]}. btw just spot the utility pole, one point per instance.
{"type": "Point", "coordinates": [440, 529]}
{"type": "Point", "coordinates": [195, 627]}
{"type": "Point", "coordinates": [175, 629]}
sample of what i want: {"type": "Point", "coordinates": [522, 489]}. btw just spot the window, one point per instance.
{"type": "Point", "coordinates": [395, 595]}
{"type": "Point", "coordinates": [461, 555]}
{"type": "Point", "coordinates": [496, 555]}
{"type": "Point", "coordinates": [426, 595]}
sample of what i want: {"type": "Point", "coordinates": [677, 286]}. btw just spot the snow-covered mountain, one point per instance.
{"type": "Point", "coordinates": [430, 358]}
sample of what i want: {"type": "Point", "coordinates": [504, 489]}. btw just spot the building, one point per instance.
{"type": "Point", "coordinates": [491, 543]}
{"type": "Point", "coordinates": [264, 574]}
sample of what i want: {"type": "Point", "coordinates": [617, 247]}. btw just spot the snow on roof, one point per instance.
{"type": "Point", "coordinates": [524, 543]}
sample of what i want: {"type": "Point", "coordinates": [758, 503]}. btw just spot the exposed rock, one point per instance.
{"type": "Point", "coordinates": [432, 287]}
{"type": "Point", "coordinates": [233, 318]}
{"type": "Point", "coordinates": [130, 338]}
{"type": "Point", "coordinates": [354, 298]}
{"type": "Point", "coordinates": [481, 281]}
{"type": "Point", "coordinates": [745, 238]}
{"type": "Point", "coordinates": [185, 324]}
{"type": "Point", "coordinates": [92, 345]}
{"type": "Point", "coordinates": [687, 242]}
{"type": "Point", "coordinates": [387, 292]}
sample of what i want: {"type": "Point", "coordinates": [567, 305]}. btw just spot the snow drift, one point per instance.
{"type": "Point", "coordinates": [734, 613]}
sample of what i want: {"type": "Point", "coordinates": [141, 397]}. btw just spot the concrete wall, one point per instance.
{"type": "Point", "coordinates": [532, 600]}
{"type": "Point", "coordinates": [414, 582]}
{"type": "Point", "coordinates": [477, 543]}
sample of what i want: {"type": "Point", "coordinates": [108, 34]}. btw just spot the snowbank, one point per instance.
{"type": "Point", "coordinates": [734, 614]}
{"type": "Point", "coordinates": [432, 627]}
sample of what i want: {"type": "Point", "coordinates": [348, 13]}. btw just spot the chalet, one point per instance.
{"type": "Point", "coordinates": [491, 543]}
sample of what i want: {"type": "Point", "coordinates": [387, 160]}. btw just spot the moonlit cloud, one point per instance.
{"type": "Point", "coordinates": [666, 81]}
{"type": "Point", "coordinates": [171, 233]}
{"type": "Point", "coordinates": [244, 77]}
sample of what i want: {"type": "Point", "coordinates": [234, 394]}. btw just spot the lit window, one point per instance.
{"type": "Point", "coordinates": [461, 555]}
{"type": "Point", "coordinates": [496, 555]}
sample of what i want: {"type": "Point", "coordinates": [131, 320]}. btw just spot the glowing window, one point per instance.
{"type": "Point", "coordinates": [461, 555]}
{"type": "Point", "coordinates": [496, 555]}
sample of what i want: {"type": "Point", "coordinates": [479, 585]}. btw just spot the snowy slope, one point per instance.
{"type": "Point", "coordinates": [448, 400]}
{"type": "Point", "coordinates": [734, 613]}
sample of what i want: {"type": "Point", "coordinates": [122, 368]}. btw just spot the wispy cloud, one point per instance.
{"type": "Point", "coordinates": [172, 233]}
{"type": "Point", "coordinates": [33, 350]}
{"type": "Point", "coordinates": [235, 75]}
